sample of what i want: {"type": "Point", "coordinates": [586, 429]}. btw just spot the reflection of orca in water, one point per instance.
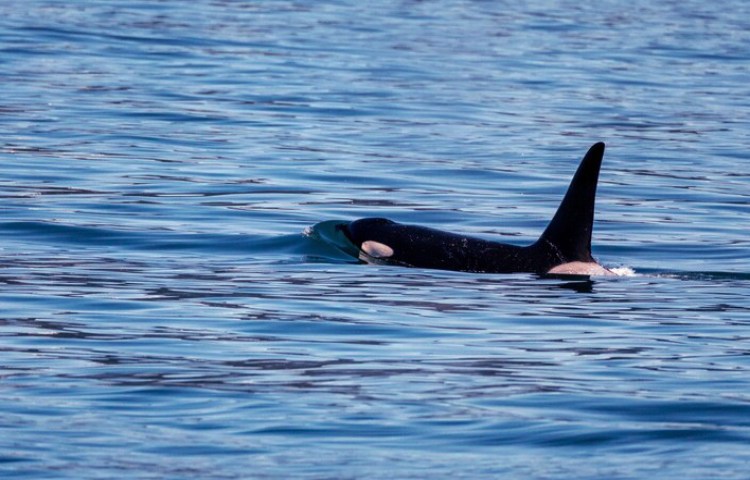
{"type": "Point", "coordinates": [563, 249]}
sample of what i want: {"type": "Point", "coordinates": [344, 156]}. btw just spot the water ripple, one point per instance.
{"type": "Point", "coordinates": [164, 316]}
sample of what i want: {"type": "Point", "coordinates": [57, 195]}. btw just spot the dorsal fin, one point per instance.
{"type": "Point", "coordinates": [569, 232]}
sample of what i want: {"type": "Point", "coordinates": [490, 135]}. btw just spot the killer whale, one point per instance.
{"type": "Point", "coordinates": [564, 248]}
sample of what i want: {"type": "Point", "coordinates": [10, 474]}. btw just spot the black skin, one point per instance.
{"type": "Point", "coordinates": [423, 247]}
{"type": "Point", "coordinates": [566, 239]}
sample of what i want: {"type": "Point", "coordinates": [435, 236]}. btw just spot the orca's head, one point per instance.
{"type": "Point", "coordinates": [370, 235]}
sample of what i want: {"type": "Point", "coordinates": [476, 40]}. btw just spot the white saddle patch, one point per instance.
{"type": "Point", "coordinates": [377, 249]}
{"type": "Point", "coordinates": [581, 268]}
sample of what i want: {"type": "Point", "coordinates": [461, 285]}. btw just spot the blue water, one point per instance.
{"type": "Point", "coordinates": [162, 315]}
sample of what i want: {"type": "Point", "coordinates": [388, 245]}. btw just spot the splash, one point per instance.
{"type": "Point", "coordinates": [623, 271]}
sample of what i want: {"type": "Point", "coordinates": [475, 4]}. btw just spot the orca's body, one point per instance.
{"type": "Point", "coordinates": [564, 247]}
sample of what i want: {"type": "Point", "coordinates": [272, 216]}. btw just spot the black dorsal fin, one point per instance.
{"type": "Point", "coordinates": [569, 232]}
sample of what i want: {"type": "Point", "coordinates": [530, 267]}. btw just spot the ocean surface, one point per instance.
{"type": "Point", "coordinates": [164, 316]}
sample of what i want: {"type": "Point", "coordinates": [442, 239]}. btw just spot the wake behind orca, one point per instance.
{"type": "Point", "coordinates": [563, 249]}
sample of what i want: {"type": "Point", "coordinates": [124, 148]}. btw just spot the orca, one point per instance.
{"type": "Point", "coordinates": [564, 248]}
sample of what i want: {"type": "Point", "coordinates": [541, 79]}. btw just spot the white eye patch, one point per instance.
{"type": "Point", "coordinates": [377, 249]}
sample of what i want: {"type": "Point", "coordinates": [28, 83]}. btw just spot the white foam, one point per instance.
{"type": "Point", "coordinates": [623, 271]}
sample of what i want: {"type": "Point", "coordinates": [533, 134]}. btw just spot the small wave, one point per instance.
{"type": "Point", "coordinates": [330, 233]}
{"type": "Point", "coordinates": [706, 276]}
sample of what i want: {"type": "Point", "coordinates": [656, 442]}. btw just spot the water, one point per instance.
{"type": "Point", "coordinates": [163, 316]}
